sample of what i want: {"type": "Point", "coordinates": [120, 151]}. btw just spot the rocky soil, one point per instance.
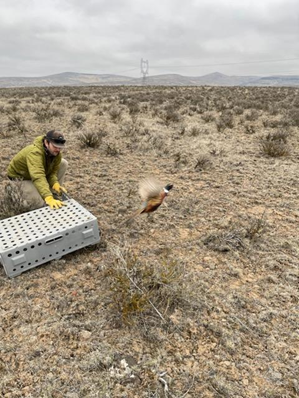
{"type": "Point", "coordinates": [198, 300]}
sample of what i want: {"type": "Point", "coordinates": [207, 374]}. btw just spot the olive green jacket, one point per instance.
{"type": "Point", "coordinates": [33, 163]}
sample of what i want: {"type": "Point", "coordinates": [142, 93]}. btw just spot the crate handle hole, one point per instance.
{"type": "Point", "coordinates": [53, 240]}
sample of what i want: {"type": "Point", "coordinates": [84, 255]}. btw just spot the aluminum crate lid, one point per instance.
{"type": "Point", "coordinates": [37, 224]}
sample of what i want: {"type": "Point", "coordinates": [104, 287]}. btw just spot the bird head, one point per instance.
{"type": "Point", "coordinates": [167, 188]}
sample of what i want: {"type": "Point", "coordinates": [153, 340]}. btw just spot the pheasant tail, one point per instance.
{"type": "Point", "coordinates": [133, 215]}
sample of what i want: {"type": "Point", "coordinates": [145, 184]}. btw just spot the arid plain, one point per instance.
{"type": "Point", "coordinates": [198, 300]}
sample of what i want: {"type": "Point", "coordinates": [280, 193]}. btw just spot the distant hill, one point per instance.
{"type": "Point", "coordinates": [87, 79]}
{"type": "Point", "coordinates": [64, 79]}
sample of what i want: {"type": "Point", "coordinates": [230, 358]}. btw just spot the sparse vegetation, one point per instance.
{"type": "Point", "coordinates": [115, 113]}
{"type": "Point", "coordinates": [256, 227]}
{"type": "Point", "coordinates": [12, 201]}
{"type": "Point", "coordinates": [197, 300]}
{"type": "Point", "coordinates": [46, 113]}
{"type": "Point", "coordinates": [275, 144]}
{"type": "Point", "coordinates": [78, 120]}
{"type": "Point", "coordinates": [140, 289]}
{"type": "Point", "coordinates": [170, 115]}
{"type": "Point", "coordinates": [202, 162]}
{"type": "Point", "coordinates": [91, 139]}
{"type": "Point", "coordinates": [225, 120]}
{"type": "Point", "coordinates": [208, 117]}
{"type": "Point", "coordinates": [15, 124]}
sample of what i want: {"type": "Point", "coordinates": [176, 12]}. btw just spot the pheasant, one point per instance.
{"type": "Point", "coordinates": [152, 193]}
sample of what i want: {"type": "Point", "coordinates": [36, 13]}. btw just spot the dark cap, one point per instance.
{"type": "Point", "coordinates": [56, 138]}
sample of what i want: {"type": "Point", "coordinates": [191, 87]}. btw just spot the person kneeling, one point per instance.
{"type": "Point", "coordinates": [41, 170]}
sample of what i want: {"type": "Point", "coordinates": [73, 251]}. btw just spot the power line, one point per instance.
{"type": "Point", "coordinates": [128, 70]}
{"type": "Point", "coordinates": [227, 63]}
{"type": "Point", "coordinates": [217, 64]}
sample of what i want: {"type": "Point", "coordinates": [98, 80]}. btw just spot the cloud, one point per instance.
{"type": "Point", "coordinates": [110, 36]}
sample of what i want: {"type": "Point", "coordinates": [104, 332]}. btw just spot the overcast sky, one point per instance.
{"type": "Point", "coordinates": [188, 37]}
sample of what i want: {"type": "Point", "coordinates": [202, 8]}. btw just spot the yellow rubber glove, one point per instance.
{"type": "Point", "coordinates": [53, 203]}
{"type": "Point", "coordinates": [58, 188]}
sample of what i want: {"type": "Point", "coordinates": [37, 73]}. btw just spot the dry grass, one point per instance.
{"type": "Point", "coordinates": [91, 139]}
{"type": "Point", "coordinates": [12, 202]}
{"type": "Point", "coordinates": [275, 144]}
{"type": "Point", "coordinates": [198, 300]}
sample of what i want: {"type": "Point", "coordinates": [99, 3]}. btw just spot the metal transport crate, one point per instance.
{"type": "Point", "coordinates": [41, 235]}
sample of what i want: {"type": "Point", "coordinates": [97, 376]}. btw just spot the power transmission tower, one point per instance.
{"type": "Point", "coordinates": [144, 69]}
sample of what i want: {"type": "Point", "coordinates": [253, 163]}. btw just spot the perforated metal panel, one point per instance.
{"type": "Point", "coordinates": [41, 235]}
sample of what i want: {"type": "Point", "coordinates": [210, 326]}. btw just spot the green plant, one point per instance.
{"type": "Point", "coordinates": [142, 288]}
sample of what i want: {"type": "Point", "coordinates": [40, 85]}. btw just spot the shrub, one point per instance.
{"type": "Point", "coordinates": [252, 115]}
{"type": "Point", "coordinates": [43, 113]}
{"type": "Point", "coordinates": [141, 288]}
{"type": "Point", "coordinates": [78, 120]}
{"type": "Point", "coordinates": [13, 203]}
{"type": "Point", "coordinates": [11, 109]}
{"type": "Point", "coordinates": [274, 109]}
{"type": "Point", "coordinates": [56, 112]}
{"type": "Point", "coordinates": [111, 150]}
{"type": "Point", "coordinates": [115, 113]}
{"type": "Point", "coordinates": [195, 131]}
{"type": "Point", "coordinates": [171, 115]}
{"type": "Point", "coordinates": [133, 128]}
{"type": "Point", "coordinates": [133, 107]}
{"type": "Point", "coordinates": [293, 115]}
{"type": "Point", "coordinates": [4, 132]}
{"type": "Point", "coordinates": [14, 101]}
{"type": "Point", "coordinates": [276, 123]}
{"type": "Point", "coordinates": [238, 110]}
{"type": "Point", "coordinates": [278, 136]}
{"type": "Point", "coordinates": [249, 128]}
{"type": "Point", "coordinates": [208, 117]}
{"type": "Point", "coordinates": [256, 227]}
{"type": "Point", "coordinates": [15, 124]}
{"type": "Point", "coordinates": [275, 145]}
{"type": "Point", "coordinates": [202, 162]}
{"type": "Point", "coordinates": [180, 159]}
{"type": "Point", "coordinates": [226, 120]}
{"type": "Point", "coordinates": [83, 108]}
{"type": "Point", "coordinates": [91, 139]}
{"type": "Point", "coordinates": [225, 241]}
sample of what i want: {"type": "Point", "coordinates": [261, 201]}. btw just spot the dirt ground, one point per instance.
{"type": "Point", "coordinates": [198, 300]}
